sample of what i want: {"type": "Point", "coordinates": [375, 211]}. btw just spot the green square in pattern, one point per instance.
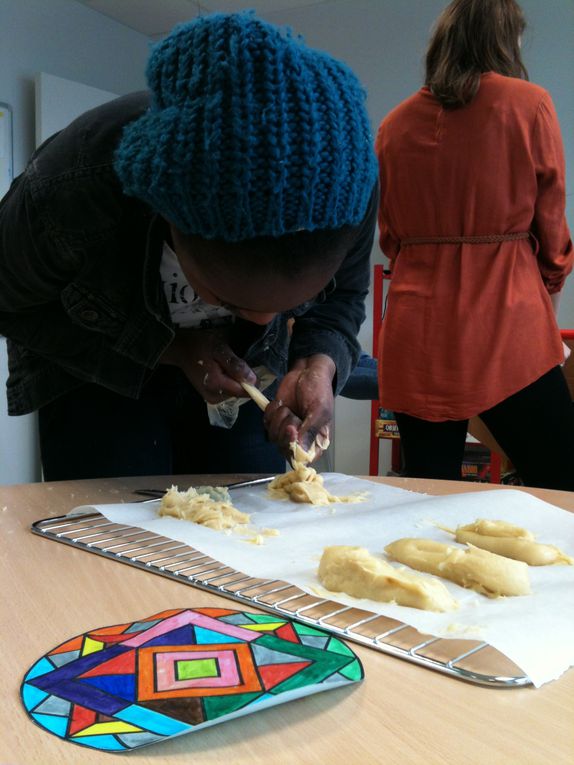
{"type": "Point", "coordinates": [196, 669]}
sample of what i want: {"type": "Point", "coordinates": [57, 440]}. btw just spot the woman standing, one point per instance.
{"type": "Point", "coordinates": [472, 220]}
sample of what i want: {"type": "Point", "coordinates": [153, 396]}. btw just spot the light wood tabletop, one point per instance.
{"type": "Point", "coordinates": [400, 714]}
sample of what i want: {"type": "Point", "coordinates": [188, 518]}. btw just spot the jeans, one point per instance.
{"type": "Point", "coordinates": [92, 432]}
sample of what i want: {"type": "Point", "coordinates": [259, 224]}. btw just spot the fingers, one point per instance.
{"type": "Point", "coordinates": [234, 367]}
{"type": "Point", "coordinates": [304, 413]}
{"type": "Point", "coordinates": [282, 425]}
{"type": "Point", "coordinates": [314, 433]}
{"type": "Point", "coordinates": [314, 441]}
{"type": "Point", "coordinates": [223, 374]}
{"type": "Point", "coordinates": [216, 386]}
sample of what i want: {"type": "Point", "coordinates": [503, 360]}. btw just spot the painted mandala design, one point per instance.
{"type": "Point", "coordinates": [122, 687]}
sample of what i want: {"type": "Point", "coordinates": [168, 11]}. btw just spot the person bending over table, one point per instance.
{"type": "Point", "coordinates": [152, 252]}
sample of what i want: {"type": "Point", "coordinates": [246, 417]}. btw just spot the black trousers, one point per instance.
{"type": "Point", "coordinates": [93, 432]}
{"type": "Point", "coordinates": [535, 428]}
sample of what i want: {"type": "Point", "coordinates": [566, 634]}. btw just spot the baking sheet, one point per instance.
{"type": "Point", "coordinates": [536, 631]}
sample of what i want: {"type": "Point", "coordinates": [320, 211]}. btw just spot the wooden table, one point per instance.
{"type": "Point", "coordinates": [400, 714]}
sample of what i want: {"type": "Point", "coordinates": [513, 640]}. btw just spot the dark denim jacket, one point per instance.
{"type": "Point", "coordinates": [80, 293]}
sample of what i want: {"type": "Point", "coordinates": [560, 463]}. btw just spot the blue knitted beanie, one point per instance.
{"type": "Point", "coordinates": [250, 133]}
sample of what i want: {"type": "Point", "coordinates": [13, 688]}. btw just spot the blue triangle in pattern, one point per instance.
{"type": "Point", "coordinates": [57, 725]}
{"type": "Point", "coordinates": [40, 668]}
{"type": "Point", "coordinates": [123, 686]}
{"type": "Point", "coordinates": [181, 636]}
{"type": "Point", "coordinates": [60, 659]}
{"type": "Point", "coordinates": [203, 636]}
{"type": "Point", "coordinates": [54, 705]}
{"type": "Point", "coordinates": [269, 656]}
{"type": "Point", "coordinates": [314, 640]}
{"type": "Point", "coordinates": [235, 619]}
{"type": "Point", "coordinates": [32, 696]}
{"type": "Point", "coordinates": [141, 626]}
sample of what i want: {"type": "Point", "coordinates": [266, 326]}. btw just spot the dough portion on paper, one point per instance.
{"type": "Point", "coordinates": [511, 541]}
{"type": "Point", "coordinates": [200, 507]}
{"type": "Point", "coordinates": [211, 506]}
{"type": "Point", "coordinates": [356, 572]}
{"type": "Point", "coordinates": [480, 570]}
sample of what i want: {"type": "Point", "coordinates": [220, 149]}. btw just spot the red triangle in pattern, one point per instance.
{"type": "Point", "coordinates": [273, 674]}
{"type": "Point", "coordinates": [81, 718]}
{"type": "Point", "coordinates": [124, 664]}
{"type": "Point", "coordinates": [287, 633]}
{"type": "Point", "coordinates": [112, 638]}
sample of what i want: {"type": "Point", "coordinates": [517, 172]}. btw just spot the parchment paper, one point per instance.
{"type": "Point", "coordinates": [535, 631]}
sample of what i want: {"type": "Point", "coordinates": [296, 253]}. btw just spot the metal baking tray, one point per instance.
{"type": "Point", "coordinates": [469, 660]}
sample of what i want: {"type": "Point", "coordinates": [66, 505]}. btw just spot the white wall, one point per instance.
{"type": "Point", "coordinates": [68, 40]}
{"type": "Point", "coordinates": [384, 42]}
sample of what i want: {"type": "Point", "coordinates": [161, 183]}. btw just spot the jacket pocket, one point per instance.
{"type": "Point", "coordinates": [92, 311]}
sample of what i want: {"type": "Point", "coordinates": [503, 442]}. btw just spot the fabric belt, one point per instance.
{"type": "Point", "coordinates": [485, 239]}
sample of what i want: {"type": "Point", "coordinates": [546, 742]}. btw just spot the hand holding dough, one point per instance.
{"type": "Point", "coordinates": [487, 573]}
{"type": "Point", "coordinates": [299, 454]}
{"type": "Point", "coordinates": [510, 541]}
{"type": "Point", "coordinates": [355, 571]}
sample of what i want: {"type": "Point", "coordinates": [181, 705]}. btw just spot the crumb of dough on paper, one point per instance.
{"type": "Point", "coordinates": [257, 536]}
{"type": "Point", "coordinates": [303, 484]}
{"type": "Point", "coordinates": [462, 629]}
{"type": "Point", "coordinates": [354, 571]}
{"type": "Point", "coordinates": [503, 538]}
{"type": "Point", "coordinates": [479, 570]}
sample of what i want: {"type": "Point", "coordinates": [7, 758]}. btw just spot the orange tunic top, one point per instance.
{"type": "Point", "coordinates": [469, 324]}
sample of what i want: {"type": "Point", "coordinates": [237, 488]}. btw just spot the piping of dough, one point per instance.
{"type": "Point", "coordinates": [511, 541]}
{"type": "Point", "coordinates": [355, 571]}
{"type": "Point", "coordinates": [480, 570]}
{"type": "Point", "coordinates": [304, 484]}
{"type": "Point", "coordinates": [203, 508]}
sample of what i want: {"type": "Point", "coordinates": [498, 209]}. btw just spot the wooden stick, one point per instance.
{"type": "Point", "coordinates": [260, 399]}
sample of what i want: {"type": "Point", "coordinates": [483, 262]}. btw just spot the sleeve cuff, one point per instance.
{"type": "Point", "coordinates": [331, 344]}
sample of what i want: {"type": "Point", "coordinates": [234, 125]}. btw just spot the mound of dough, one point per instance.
{"type": "Point", "coordinates": [510, 541]}
{"type": "Point", "coordinates": [355, 571]}
{"type": "Point", "coordinates": [304, 484]}
{"type": "Point", "coordinates": [199, 506]}
{"type": "Point", "coordinates": [480, 570]}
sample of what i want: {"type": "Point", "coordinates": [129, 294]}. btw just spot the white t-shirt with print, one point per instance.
{"type": "Point", "coordinates": [187, 309]}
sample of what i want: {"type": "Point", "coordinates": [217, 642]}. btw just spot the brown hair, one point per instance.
{"type": "Point", "coordinates": [471, 37]}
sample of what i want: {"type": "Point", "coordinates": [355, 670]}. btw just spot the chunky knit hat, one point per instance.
{"type": "Point", "coordinates": [250, 133]}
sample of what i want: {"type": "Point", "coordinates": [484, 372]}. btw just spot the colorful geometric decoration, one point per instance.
{"type": "Point", "coordinates": [122, 687]}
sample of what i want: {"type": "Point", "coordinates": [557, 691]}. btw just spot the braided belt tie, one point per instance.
{"type": "Point", "coordinates": [485, 239]}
